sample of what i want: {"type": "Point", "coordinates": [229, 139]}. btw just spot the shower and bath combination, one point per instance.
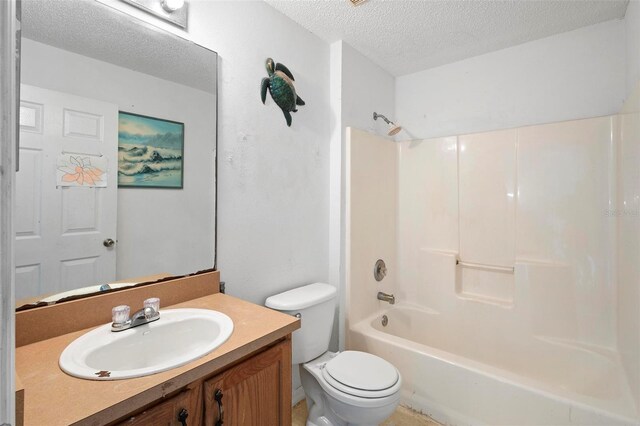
{"type": "Point", "coordinates": [488, 310]}
{"type": "Point", "coordinates": [393, 127]}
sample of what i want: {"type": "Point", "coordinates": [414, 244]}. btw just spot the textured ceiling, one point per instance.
{"type": "Point", "coordinates": [405, 36]}
{"type": "Point", "coordinates": [92, 29]}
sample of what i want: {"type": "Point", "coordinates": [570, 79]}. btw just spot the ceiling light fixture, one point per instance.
{"type": "Point", "coordinates": [357, 2]}
{"type": "Point", "coordinates": [173, 11]}
{"type": "Point", "coordinates": [172, 5]}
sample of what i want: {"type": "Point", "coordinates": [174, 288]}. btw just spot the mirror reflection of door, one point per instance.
{"type": "Point", "coordinates": [61, 230]}
{"type": "Point", "coordinates": [138, 69]}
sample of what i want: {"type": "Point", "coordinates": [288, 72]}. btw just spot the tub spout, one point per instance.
{"type": "Point", "coordinates": [386, 297]}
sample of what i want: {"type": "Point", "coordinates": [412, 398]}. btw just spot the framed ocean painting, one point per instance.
{"type": "Point", "coordinates": [150, 152]}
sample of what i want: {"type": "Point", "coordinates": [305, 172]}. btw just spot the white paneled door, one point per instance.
{"type": "Point", "coordinates": [63, 233]}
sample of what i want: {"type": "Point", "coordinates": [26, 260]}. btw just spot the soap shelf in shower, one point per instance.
{"type": "Point", "coordinates": [484, 283]}
{"type": "Point", "coordinates": [507, 269]}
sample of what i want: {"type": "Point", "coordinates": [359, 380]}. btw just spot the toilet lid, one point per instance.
{"type": "Point", "coordinates": [362, 371]}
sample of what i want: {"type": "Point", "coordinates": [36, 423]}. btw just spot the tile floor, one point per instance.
{"type": "Point", "coordinates": [402, 417]}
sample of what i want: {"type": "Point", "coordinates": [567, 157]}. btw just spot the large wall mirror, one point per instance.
{"type": "Point", "coordinates": [102, 196]}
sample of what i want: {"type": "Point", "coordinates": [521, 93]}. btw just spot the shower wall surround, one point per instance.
{"type": "Point", "coordinates": [628, 214]}
{"type": "Point", "coordinates": [546, 218]}
{"type": "Point", "coordinates": [374, 234]}
{"type": "Point", "coordinates": [486, 188]}
{"type": "Point", "coordinates": [535, 198]}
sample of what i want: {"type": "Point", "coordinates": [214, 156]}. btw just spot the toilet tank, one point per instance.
{"type": "Point", "coordinates": [316, 305]}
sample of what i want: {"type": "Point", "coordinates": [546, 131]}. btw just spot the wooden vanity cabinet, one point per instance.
{"type": "Point", "coordinates": [253, 392]}
{"type": "Point", "coordinates": [186, 405]}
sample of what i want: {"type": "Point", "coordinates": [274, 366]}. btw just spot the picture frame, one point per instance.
{"type": "Point", "coordinates": [150, 152]}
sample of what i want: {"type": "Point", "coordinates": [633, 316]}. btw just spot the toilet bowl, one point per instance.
{"type": "Point", "coordinates": [343, 388]}
{"type": "Point", "coordinates": [350, 387]}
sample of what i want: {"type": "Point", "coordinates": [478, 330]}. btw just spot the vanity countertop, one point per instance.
{"type": "Point", "coordinates": [52, 397]}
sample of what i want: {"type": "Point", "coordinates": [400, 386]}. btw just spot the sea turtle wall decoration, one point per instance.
{"type": "Point", "coordinates": [280, 85]}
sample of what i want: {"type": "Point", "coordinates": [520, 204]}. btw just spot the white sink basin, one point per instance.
{"type": "Point", "coordinates": [178, 337]}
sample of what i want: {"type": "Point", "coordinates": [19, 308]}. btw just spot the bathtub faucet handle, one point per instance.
{"type": "Point", "coordinates": [386, 297]}
{"type": "Point", "coordinates": [379, 270]}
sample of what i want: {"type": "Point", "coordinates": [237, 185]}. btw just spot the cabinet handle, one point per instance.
{"type": "Point", "coordinates": [218, 397]}
{"type": "Point", "coordinates": [182, 417]}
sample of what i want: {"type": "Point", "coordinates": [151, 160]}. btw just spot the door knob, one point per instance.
{"type": "Point", "coordinates": [109, 242]}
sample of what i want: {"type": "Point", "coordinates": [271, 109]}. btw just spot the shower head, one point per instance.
{"type": "Point", "coordinates": [393, 127]}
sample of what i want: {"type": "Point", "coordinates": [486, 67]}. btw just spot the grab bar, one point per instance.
{"type": "Point", "coordinates": [509, 269]}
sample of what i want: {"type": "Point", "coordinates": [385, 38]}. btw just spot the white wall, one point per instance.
{"type": "Point", "coordinates": [573, 75]}
{"type": "Point", "coordinates": [365, 88]}
{"type": "Point", "coordinates": [272, 180]}
{"type": "Point", "coordinates": [273, 192]}
{"type": "Point", "coordinates": [159, 230]}
{"type": "Point", "coordinates": [632, 26]}
{"type": "Point", "coordinates": [336, 192]}
{"type": "Point", "coordinates": [358, 88]}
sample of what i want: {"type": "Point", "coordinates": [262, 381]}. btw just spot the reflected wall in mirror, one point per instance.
{"type": "Point", "coordinates": [82, 63]}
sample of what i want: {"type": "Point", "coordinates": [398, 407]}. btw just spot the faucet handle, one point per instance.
{"type": "Point", "coordinates": [152, 302]}
{"type": "Point", "coordinates": [120, 314]}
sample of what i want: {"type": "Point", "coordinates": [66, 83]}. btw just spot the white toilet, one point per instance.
{"type": "Point", "coordinates": [344, 388]}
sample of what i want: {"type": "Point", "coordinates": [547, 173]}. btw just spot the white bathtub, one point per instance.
{"type": "Point", "coordinates": [463, 378]}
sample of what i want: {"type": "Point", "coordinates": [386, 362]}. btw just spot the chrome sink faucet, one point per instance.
{"type": "Point", "coordinates": [121, 320]}
{"type": "Point", "coordinates": [387, 297]}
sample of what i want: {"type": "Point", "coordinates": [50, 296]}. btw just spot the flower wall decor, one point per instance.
{"type": "Point", "coordinates": [81, 170]}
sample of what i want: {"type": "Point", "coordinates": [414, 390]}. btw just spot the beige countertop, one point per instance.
{"type": "Point", "coordinates": [55, 398]}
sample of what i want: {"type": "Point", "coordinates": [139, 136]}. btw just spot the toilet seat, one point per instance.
{"type": "Point", "coordinates": [361, 374]}
{"type": "Point", "coordinates": [341, 397]}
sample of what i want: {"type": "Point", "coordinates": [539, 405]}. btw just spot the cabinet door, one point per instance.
{"type": "Point", "coordinates": [256, 392]}
{"type": "Point", "coordinates": [171, 411]}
